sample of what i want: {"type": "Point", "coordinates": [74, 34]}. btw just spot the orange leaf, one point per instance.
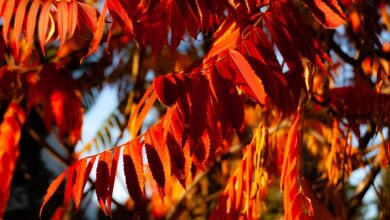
{"type": "Point", "coordinates": [52, 188]}
{"type": "Point", "coordinates": [69, 185]}
{"type": "Point", "coordinates": [145, 110]}
{"type": "Point", "coordinates": [117, 8]}
{"type": "Point", "coordinates": [31, 22]}
{"type": "Point", "coordinates": [327, 12]}
{"type": "Point", "coordinates": [18, 23]}
{"type": "Point", "coordinates": [89, 15]}
{"type": "Point", "coordinates": [98, 33]}
{"type": "Point", "coordinates": [249, 75]}
{"type": "Point", "coordinates": [79, 182]}
{"type": "Point", "coordinates": [146, 95]}
{"type": "Point", "coordinates": [1, 5]}
{"type": "Point", "coordinates": [114, 166]}
{"type": "Point", "coordinates": [133, 168]}
{"type": "Point", "coordinates": [72, 18]}
{"type": "Point", "coordinates": [226, 38]}
{"type": "Point", "coordinates": [7, 16]}
{"type": "Point", "coordinates": [10, 132]}
{"type": "Point", "coordinates": [62, 20]}
{"type": "Point", "coordinates": [43, 24]}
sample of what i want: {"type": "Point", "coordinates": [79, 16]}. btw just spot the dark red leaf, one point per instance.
{"type": "Point", "coordinates": [155, 164]}
{"type": "Point", "coordinates": [103, 178]}
{"type": "Point", "coordinates": [133, 168]}
{"type": "Point", "coordinates": [166, 89]}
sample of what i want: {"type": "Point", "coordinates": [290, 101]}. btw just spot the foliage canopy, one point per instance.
{"type": "Point", "coordinates": [261, 104]}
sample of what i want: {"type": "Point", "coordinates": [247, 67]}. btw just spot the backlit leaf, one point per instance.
{"type": "Point", "coordinates": [7, 16]}
{"type": "Point", "coordinates": [114, 166]}
{"type": "Point", "coordinates": [327, 12]}
{"type": "Point", "coordinates": [98, 32]}
{"type": "Point", "coordinates": [62, 20]}
{"type": "Point", "coordinates": [103, 179]}
{"type": "Point", "coordinates": [52, 189]}
{"type": "Point", "coordinates": [43, 24]}
{"type": "Point", "coordinates": [249, 75]}
{"type": "Point", "coordinates": [18, 24]}
{"type": "Point", "coordinates": [133, 168]}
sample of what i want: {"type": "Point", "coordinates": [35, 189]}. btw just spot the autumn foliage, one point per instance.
{"type": "Point", "coordinates": [254, 114]}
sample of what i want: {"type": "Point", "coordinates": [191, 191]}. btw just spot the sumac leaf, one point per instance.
{"type": "Point", "coordinates": [155, 164]}
{"type": "Point", "coordinates": [166, 89]}
{"type": "Point", "coordinates": [52, 189]}
{"type": "Point", "coordinates": [327, 12]}
{"type": "Point", "coordinates": [114, 166]}
{"type": "Point", "coordinates": [7, 16]}
{"type": "Point", "coordinates": [102, 179]}
{"type": "Point", "coordinates": [133, 169]}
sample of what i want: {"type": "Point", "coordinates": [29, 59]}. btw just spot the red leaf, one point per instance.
{"type": "Point", "coordinates": [72, 18]}
{"type": "Point", "coordinates": [102, 179]}
{"type": "Point", "coordinates": [155, 164]}
{"type": "Point", "coordinates": [116, 7]}
{"type": "Point", "coordinates": [7, 16]}
{"type": "Point", "coordinates": [83, 172]}
{"type": "Point", "coordinates": [183, 101]}
{"type": "Point", "coordinates": [166, 89]}
{"type": "Point", "coordinates": [158, 155]}
{"type": "Point", "coordinates": [133, 168]}
{"type": "Point", "coordinates": [98, 33]}
{"type": "Point", "coordinates": [79, 181]}
{"type": "Point", "coordinates": [290, 34]}
{"type": "Point", "coordinates": [227, 98]}
{"type": "Point", "coordinates": [88, 169]}
{"type": "Point", "coordinates": [361, 102]}
{"type": "Point", "coordinates": [114, 166]}
{"type": "Point", "coordinates": [198, 108]}
{"type": "Point", "coordinates": [69, 185]}
{"type": "Point", "coordinates": [10, 132]}
{"type": "Point", "coordinates": [88, 15]}
{"type": "Point", "coordinates": [177, 25]}
{"type": "Point", "coordinates": [177, 127]}
{"type": "Point", "coordinates": [52, 189]}
{"type": "Point", "coordinates": [275, 84]}
{"type": "Point", "coordinates": [327, 12]}
{"type": "Point", "coordinates": [61, 101]}
{"type": "Point", "coordinates": [177, 157]}
{"type": "Point", "coordinates": [249, 75]}
{"type": "Point", "coordinates": [283, 40]}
